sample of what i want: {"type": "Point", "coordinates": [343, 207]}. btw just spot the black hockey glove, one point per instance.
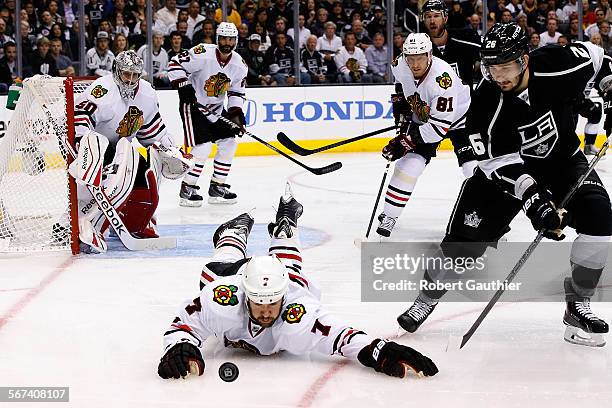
{"type": "Point", "coordinates": [186, 92]}
{"type": "Point", "coordinates": [236, 115]}
{"type": "Point", "coordinates": [400, 107]}
{"type": "Point", "coordinates": [180, 360]}
{"type": "Point", "coordinates": [394, 359]}
{"type": "Point", "coordinates": [402, 144]}
{"type": "Point", "coordinates": [540, 209]}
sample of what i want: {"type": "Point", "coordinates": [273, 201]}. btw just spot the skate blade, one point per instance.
{"type": "Point", "coordinates": [578, 336]}
{"type": "Point", "coordinates": [288, 192]}
{"type": "Point", "coordinates": [189, 203]}
{"type": "Point", "coordinates": [219, 200]}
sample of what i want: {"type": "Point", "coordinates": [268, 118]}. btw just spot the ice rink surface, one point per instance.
{"type": "Point", "coordinates": [95, 323]}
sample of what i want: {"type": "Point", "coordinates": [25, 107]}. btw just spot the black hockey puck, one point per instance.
{"type": "Point", "coordinates": [228, 372]}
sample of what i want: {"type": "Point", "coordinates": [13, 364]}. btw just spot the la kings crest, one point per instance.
{"type": "Point", "coordinates": [131, 122]}
{"type": "Point", "coordinates": [539, 137]}
{"type": "Point", "coordinates": [217, 85]}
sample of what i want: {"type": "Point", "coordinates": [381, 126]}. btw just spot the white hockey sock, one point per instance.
{"type": "Point", "coordinates": [200, 153]}
{"type": "Point", "coordinates": [226, 148]}
{"type": "Point", "coordinates": [407, 171]}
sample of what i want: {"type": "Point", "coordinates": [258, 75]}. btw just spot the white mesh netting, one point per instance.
{"type": "Point", "coordinates": [34, 194]}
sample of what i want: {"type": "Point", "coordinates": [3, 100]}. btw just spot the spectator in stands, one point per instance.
{"type": "Point", "coordinates": [120, 26]}
{"type": "Point", "coordinates": [280, 26]}
{"type": "Point", "coordinates": [120, 44]}
{"type": "Point", "coordinates": [205, 34]}
{"type": "Point", "coordinates": [351, 62]}
{"type": "Point", "coordinates": [280, 61]}
{"type": "Point", "coordinates": [138, 39]}
{"type": "Point", "coordinates": [605, 6]}
{"type": "Point", "coordinates": [328, 45]}
{"type": "Point", "coordinates": [366, 11]}
{"type": "Point", "coordinates": [93, 10]}
{"type": "Point", "coordinates": [266, 41]}
{"type": "Point", "coordinates": [128, 18]}
{"type": "Point", "coordinates": [594, 28]}
{"type": "Point", "coordinates": [606, 41]}
{"type": "Point", "coordinates": [248, 17]}
{"type": "Point", "coordinates": [475, 24]}
{"type": "Point", "coordinates": [159, 60]}
{"type": "Point", "coordinates": [41, 61]}
{"type": "Point", "coordinates": [68, 9]}
{"type": "Point", "coordinates": [57, 31]}
{"type": "Point", "coordinates": [194, 18]}
{"type": "Point", "coordinates": [139, 11]}
{"type": "Point", "coordinates": [32, 15]}
{"type": "Point", "coordinates": [232, 14]}
{"type": "Point", "coordinates": [398, 43]}
{"type": "Point", "coordinates": [175, 45]}
{"type": "Point", "coordinates": [378, 62]}
{"type": "Point", "coordinates": [551, 35]}
{"type": "Point", "coordinates": [567, 10]}
{"type": "Point", "coordinates": [588, 16]}
{"type": "Point", "coordinates": [4, 38]}
{"type": "Point", "coordinates": [52, 8]}
{"type": "Point", "coordinates": [572, 33]}
{"type": "Point", "coordinates": [280, 9]}
{"type": "Point", "coordinates": [312, 62]}
{"type": "Point", "coordinates": [596, 39]}
{"type": "Point", "coordinates": [361, 35]}
{"type": "Point", "coordinates": [378, 24]}
{"type": "Point", "coordinates": [506, 17]}
{"type": "Point", "coordinates": [338, 15]}
{"type": "Point", "coordinates": [258, 73]}
{"type": "Point", "coordinates": [318, 28]}
{"type": "Point", "coordinates": [243, 38]}
{"type": "Point", "coordinates": [8, 64]}
{"type": "Point", "coordinates": [562, 41]}
{"type": "Point", "coordinates": [534, 41]}
{"type": "Point", "coordinates": [304, 32]}
{"type": "Point", "coordinates": [521, 20]}
{"type": "Point", "coordinates": [261, 17]}
{"type": "Point", "coordinates": [45, 24]}
{"type": "Point", "coordinates": [168, 15]}
{"type": "Point", "coordinates": [311, 13]}
{"type": "Point", "coordinates": [456, 19]}
{"type": "Point", "coordinates": [100, 58]}
{"type": "Point", "coordinates": [106, 26]}
{"type": "Point", "coordinates": [62, 62]}
{"type": "Point", "coordinates": [530, 8]}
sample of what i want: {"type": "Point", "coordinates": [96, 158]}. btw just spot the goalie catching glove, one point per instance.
{"type": "Point", "coordinates": [175, 162]}
{"type": "Point", "coordinates": [180, 360]}
{"type": "Point", "coordinates": [394, 359]}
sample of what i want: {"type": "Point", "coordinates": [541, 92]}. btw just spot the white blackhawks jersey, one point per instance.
{"type": "Point", "coordinates": [101, 108]}
{"type": "Point", "coordinates": [100, 65]}
{"type": "Point", "coordinates": [211, 79]}
{"type": "Point", "coordinates": [303, 325]}
{"type": "Point", "coordinates": [439, 100]}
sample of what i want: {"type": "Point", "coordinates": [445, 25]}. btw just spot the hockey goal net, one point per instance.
{"type": "Point", "coordinates": [38, 207]}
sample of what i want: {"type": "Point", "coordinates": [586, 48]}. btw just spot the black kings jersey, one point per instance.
{"type": "Point", "coordinates": [461, 52]}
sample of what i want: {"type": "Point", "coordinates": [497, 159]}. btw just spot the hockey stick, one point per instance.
{"type": "Point", "coordinates": [468, 335]}
{"type": "Point", "coordinates": [380, 189]}
{"type": "Point", "coordinates": [302, 151]}
{"type": "Point", "coordinates": [314, 170]}
{"type": "Point", "coordinates": [130, 242]}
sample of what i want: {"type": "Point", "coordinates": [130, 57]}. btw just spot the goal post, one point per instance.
{"type": "Point", "coordinates": [38, 202]}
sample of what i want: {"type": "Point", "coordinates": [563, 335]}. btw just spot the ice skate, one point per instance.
{"type": "Point", "coordinates": [189, 196]}
{"type": "Point", "coordinates": [420, 310]}
{"type": "Point", "coordinates": [386, 225]}
{"type": "Point", "coordinates": [219, 193]}
{"type": "Point", "coordinates": [238, 227]}
{"type": "Point", "coordinates": [583, 326]}
{"type": "Point", "coordinates": [287, 214]}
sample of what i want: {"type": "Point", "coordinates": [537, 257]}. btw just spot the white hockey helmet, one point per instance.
{"type": "Point", "coordinates": [226, 29]}
{"type": "Point", "coordinates": [127, 70]}
{"type": "Point", "coordinates": [417, 43]}
{"type": "Point", "coordinates": [265, 279]}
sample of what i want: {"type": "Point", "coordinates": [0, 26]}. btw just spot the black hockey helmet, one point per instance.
{"type": "Point", "coordinates": [434, 5]}
{"type": "Point", "coordinates": [503, 43]}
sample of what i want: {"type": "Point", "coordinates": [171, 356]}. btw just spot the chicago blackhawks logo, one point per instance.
{"type": "Point", "coordinates": [294, 313]}
{"type": "Point", "coordinates": [419, 107]}
{"type": "Point", "coordinates": [98, 91]}
{"type": "Point", "coordinates": [199, 49]}
{"type": "Point", "coordinates": [217, 85]}
{"type": "Point", "coordinates": [444, 81]}
{"type": "Point", "coordinates": [225, 295]}
{"type": "Point", "coordinates": [131, 122]}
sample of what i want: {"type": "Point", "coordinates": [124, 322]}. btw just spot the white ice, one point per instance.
{"type": "Point", "coordinates": [95, 323]}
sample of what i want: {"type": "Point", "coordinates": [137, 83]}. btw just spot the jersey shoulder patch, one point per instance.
{"type": "Point", "coordinates": [445, 81]}
{"type": "Point", "coordinates": [293, 313]}
{"type": "Point", "coordinates": [199, 49]}
{"type": "Point", "coordinates": [98, 91]}
{"type": "Point", "coordinates": [225, 295]}
{"type": "Point", "coordinates": [396, 61]}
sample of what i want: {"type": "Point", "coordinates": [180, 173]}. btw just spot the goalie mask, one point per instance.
{"type": "Point", "coordinates": [228, 31]}
{"type": "Point", "coordinates": [417, 53]}
{"type": "Point", "coordinates": [127, 71]}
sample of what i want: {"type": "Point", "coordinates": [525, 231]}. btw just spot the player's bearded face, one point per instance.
{"type": "Point", "coordinates": [506, 76]}
{"type": "Point", "coordinates": [418, 64]}
{"type": "Point", "coordinates": [265, 315]}
{"type": "Point", "coordinates": [435, 22]}
{"type": "Point", "coordinates": [226, 44]}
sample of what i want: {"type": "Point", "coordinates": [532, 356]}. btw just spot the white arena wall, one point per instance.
{"type": "Point", "coordinates": [313, 116]}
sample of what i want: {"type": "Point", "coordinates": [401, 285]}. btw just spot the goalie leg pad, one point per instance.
{"type": "Point", "coordinates": [138, 211]}
{"type": "Point", "coordinates": [87, 168]}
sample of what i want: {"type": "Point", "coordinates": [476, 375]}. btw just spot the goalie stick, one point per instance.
{"type": "Point", "coordinates": [523, 259]}
{"type": "Point", "coordinates": [314, 170]}
{"type": "Point", "coordinates": [302, 151]}
{"type": "Point", "coordinates": [129, 241]}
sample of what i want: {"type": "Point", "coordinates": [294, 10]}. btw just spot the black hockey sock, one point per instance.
{"type": "Point", "coordinates": [584, 281]}
{"type": "Point", "coordinates": [589, 139]}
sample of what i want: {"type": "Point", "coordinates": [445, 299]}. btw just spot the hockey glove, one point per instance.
{"type": "Point", "coordinates": [186, 92]}
{"type": "Point", "coordinates": [540, 209]}
{"type": "Point", "coordinates": [400, 107]}
{"type": "Point", "coordinates": [236, 115]}
{"type": "Point", "coordinates": [180, 360]}
{"type": "Point", "coordinates": [402, 144]}
{"type": "Point", "coordinates": [394, 359]}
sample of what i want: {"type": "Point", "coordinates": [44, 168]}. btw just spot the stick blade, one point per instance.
{"type": "Point", "coordinates": [326, 169]}
{"type": "Point", "coordinates": [291, 145]}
